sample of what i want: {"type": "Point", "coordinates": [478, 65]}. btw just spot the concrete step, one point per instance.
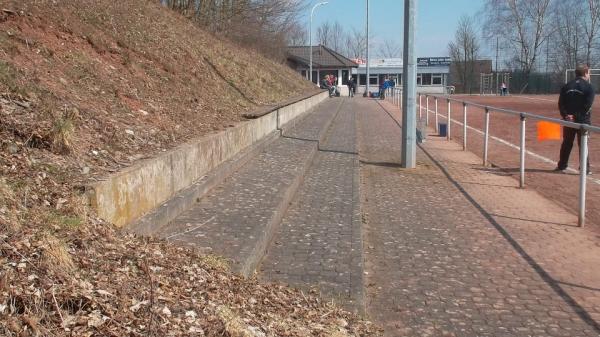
{"type": "Point", "coordinates": [237, 218]}
{"type": "Point", "coordinates": [319, 241]}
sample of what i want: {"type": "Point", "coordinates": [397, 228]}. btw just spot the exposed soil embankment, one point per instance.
{"type": "Point", "coordinates": [87, 88]}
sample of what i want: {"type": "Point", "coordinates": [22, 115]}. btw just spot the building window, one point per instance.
{"type": "Point", "coordinates": [418, 79]}
{"type": "Point", "coordinates": [425, 79]}
{"type": "Point", "coordinates": [436, 79]}
{"type": "Point", "coordinates": [362, 79]}
{"type": "Point", "coordinates": [373, 80]}
{"type": "Point", "coordinates": [345, 75]}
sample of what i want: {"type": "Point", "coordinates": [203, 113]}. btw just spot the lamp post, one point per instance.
{"type": "Point", "coordinates": [310, 35]}
{"type": "Point", "coordinates": [368, 54]}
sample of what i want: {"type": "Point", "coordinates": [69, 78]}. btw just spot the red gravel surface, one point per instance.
{"type": "Point", "coordinates": [563, 188]}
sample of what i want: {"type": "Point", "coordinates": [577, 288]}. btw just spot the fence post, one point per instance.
{"type": "Point", "coordinates": [449, 121]}
{"type": "Point", "coordinates": [583, 158]}
{"type": "Point", "coordinates": [436, 115]}
{"type": "Point", "coordinates": [427, 110]}
{"type": "Point", "coordinates": [464, 126]}
{"type": "Point", "coordinates": [401, 99]}
{"type": "Point", "coordinates": [420, 107]}
{"type": "Point", "coordinates": [486, 136]}
{"type": "Point", "coordinates": [522, 165]}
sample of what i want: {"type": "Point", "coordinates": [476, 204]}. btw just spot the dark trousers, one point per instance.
{"type": "Point", "coordinates": [567, 146]}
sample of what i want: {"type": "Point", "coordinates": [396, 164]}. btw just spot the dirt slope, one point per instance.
{"type": "Point", "coordinates": [86, 88]}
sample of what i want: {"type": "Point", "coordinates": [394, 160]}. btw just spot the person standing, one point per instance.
{"type": "Point", "coordinates": [575, 105]}
{"type": "Point", "coordinates": [350, 85]}
{"type": "Point", "coordinates": [503, 89]}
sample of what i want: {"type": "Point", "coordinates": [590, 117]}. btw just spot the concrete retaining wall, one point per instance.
{"type": "Point", "coordinates": [128, 195]}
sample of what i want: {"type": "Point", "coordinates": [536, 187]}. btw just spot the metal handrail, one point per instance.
{"type": "Point", "coordinates": [396, 95]}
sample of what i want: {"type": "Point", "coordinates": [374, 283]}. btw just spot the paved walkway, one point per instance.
{"type": "Point", "coordinates": [467, 252]}
{"type": "Point", "coordinates": [319, 242]}
{"type": "Point", "coordinates": [447, 249]}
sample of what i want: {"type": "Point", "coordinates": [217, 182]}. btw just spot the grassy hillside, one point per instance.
{"type": "Point", "coordinates": [88, 87]}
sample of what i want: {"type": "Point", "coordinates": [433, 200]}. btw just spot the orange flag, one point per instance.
{"type": "Point", "coordinates": [548, 131]}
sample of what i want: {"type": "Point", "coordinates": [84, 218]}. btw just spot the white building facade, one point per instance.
{"type": "Point", "coordinates": [432, 74]}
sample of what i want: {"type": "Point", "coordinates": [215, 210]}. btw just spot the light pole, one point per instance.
{"type": "Point", "coordinates": [409, 85]}
{"type": "Point", "coordinates": [368, 53]}
{"type": "Point", "coordinates": [310, 35]}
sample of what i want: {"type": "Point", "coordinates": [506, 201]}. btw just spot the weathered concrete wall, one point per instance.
{"type": "Point", "coordinates": [126, 196]}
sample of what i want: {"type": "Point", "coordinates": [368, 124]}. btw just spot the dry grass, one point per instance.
{"type": "Point", "coordinates": [63, 132]}
{"type": "Point", "coordinates": [55, 256]}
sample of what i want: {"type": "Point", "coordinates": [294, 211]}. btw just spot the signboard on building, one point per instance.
{"type": "Point", "coordinates": [433, 61]}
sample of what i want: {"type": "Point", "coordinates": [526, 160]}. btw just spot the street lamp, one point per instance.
{"type": "Point", "coordinates": [368, 75]}
{"type": "Point", "coordinates": [310, 34]}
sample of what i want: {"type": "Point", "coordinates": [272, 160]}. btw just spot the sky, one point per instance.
{"type": "Point", "coordinates": [436, 20]}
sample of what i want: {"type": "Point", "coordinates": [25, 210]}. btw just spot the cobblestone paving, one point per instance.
{"type": "Point", "coordinates": [319, 241]}
{"type": "Point", "coordinates": [232, 218]}
{"type": "Point", "coordinates": [437, 266]}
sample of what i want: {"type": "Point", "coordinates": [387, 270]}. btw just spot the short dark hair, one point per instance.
{"type": "Point", "coordinates": [581, 70]}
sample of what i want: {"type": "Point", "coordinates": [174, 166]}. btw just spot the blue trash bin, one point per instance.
{"type": "Point", "coordinates": [443, 129]}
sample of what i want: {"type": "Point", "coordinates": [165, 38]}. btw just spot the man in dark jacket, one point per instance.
{"type": "Point", "coordinates": [575, 105]}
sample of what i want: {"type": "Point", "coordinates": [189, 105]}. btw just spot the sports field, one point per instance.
{"type": "Point", "coordinates": [541, 157]}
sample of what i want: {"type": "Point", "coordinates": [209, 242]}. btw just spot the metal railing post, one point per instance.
{"type": "Point", "coordinates": [449, 121]}
{"type": "Point", "coordinates": [522, 148]}
{"type": "Point", "coordinates": [427, 110]}
{"type": "Point", "coordinates": [436, 115]}
{"type": "Point", "coordinates": [583, 158]}
{"type": "Point", "coordinates": [464, 126]}
{"type": "Point", "coordinates": [486, 136]}
{"type": "Point", "coordinates": [420, 106]}
{"type": "Point", "coordinates": [401, 99]}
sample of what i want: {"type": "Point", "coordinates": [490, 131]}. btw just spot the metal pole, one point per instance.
{"type": "Point", "coordinates": [401, 98]}
{"type": "Point", "coordinates": [583, 156]}
{"type": "Point", "coordinates": [409, 85]}
{"type": "Point", "coordinates": [522, 165]}
{"type": "Point", "coordinates": [420, 107]}
{"type": "Point", "coordinates": [464, 126]}
{"type": "Point", "coordinates": [486, 136]}
{"type": "Point", "coordinates": [436, 115]}
{"type": "Point", "coordinates": [449, 121]}
{"type": "Point", "coordinates": [427, 110]}
{"type": "Point", "coordinates": [368, 53]}
{"type": "Point", "coordinates": [312, 12]}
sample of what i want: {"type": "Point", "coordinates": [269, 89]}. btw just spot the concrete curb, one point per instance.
{"type": "Point", "coordinates": [125, 197]}
{"type": "Point", "coordinates": [251, 263]}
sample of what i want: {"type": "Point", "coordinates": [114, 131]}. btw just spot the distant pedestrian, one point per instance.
{"type": "Point", "coordinates": [383, 87]}
{"type": "Point", "coordinates": [351, 85]}
{"type": "Point", "coordinates": [575, 105]}
{"type": "Point", "coordinates": [503, 89]}
{"type": "Point", "coordinates": [326, 84]}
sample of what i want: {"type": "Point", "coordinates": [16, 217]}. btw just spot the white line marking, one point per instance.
{"type": "Point", "coordinates": [191, 229]}
{"type": "Point", "coordinates": [509, 144]}
{"type": "Point", "coordinates": [537, 98]}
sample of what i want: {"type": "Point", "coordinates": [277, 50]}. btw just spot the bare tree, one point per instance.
{"type": "Point", "coordinates": [324, 32]}
{"type": "Point", "coordinates": [522, 24]}
{"type": "Point", "coordinates": [337, 37]}
{"type": "Point", "coordinates": [389, 49]}
{"type": "Point", "coordinates": [567, 36]}
{"type": "Point", "coordinates": [356, 44]}
{"type": "Point", "coordinates": [265, 25]}
{"type": "Point", "coordinates": [297, 36]}
{"type": "Point", "coordinates": [463, 51]}
{"type": "Point", "coordinates": [591, 26]}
